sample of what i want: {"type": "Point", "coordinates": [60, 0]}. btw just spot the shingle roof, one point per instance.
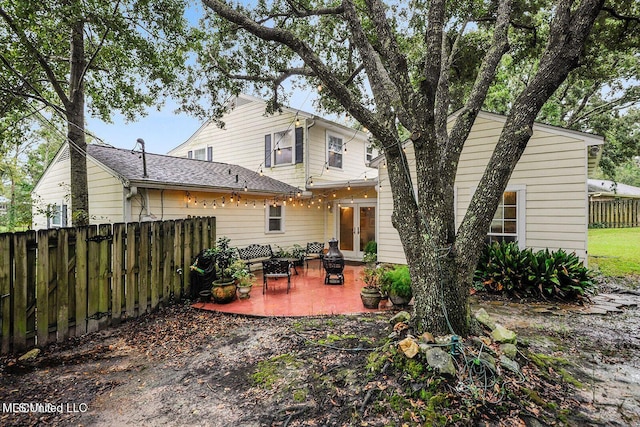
{"type": "Point", "coordinates": [612, 188]}
{"type": "Point", "coordinates": [181, 172]}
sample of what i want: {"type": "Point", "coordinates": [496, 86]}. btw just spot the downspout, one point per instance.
{"type": "Point", "coordinates": [133, 191]}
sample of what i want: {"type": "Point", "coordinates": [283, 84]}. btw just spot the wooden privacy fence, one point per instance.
{"type": "Point", "coordinates": [66, 282]}
{"type": "Point", "coordinates": [617, 213]}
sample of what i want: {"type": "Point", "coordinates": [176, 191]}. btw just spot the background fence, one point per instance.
{"type": "Point", "coordinates": [616, 213]}
{"type": "Point", "coordinates": [69, 281]}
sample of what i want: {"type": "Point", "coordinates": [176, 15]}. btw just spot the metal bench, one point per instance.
{"type": "Point", "coordinates": [255, 254]}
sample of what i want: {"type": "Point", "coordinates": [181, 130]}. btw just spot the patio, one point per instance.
{"type": "Point", "coordinates": [309, 296]}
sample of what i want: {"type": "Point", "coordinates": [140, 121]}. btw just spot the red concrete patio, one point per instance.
{"type": "Point", "coordinates": [308, 296]}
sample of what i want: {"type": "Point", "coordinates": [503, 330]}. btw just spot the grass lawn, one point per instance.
{"type": "Point", "coordinates": [615, 251]}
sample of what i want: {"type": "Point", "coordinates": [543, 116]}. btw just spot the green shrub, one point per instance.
{"type": "Point", "coordinates": [398, 281]}
{"type": "Point", "coordinates": [503, 267]}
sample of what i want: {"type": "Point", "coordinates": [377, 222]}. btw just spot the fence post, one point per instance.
{"type": "Point", "coordinates": [117, 278]}
{"type": "Point", "coordinates": [6, 290]}
{"type": "Point", "coordinates": [42, 288]}
{"type": "Point", "coordinates": [82, 276]}
{"type": "Point", "coordinates": [133, 269]}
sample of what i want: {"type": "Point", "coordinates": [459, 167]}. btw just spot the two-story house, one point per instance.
{"type": "Point", "coordinates": [282, 179]}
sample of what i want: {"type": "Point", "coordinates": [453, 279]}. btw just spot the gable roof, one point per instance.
{"type": "Point", "coordinates": [178, 172]}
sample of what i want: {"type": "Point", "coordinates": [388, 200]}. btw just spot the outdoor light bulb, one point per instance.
{"type": "Point", "coordinates": [318, 206]}
{"type": "Point", "coordinates": [312, 202]}
{"type": "Point", "coordinates": [365, 176]}
{"type": "Point", "coordinates": [298, 193]}
{"type": "Point", "coordinates": [245, 186]}
{"type": "Point", "coordinates": [334, 194]}
{"type": "Point", "coordinates": [366, 195]}
{"type": "Point", "coordinates": [204, 204]}
{"type": "Point", "coordinates": [246, 203]}
{"type": "Point", "coordinates": [290, 198]}
{"type": "Point", "coordinates": [279, 150]}
{"type": "Point", "coordinates": [349, 186]}
{"type": "Point", "coordinates": [327, 166]}
{"type": "Point", "coordinates": [196, 201]}
{"type": "Point", "coordinates": [264, 204]}
{"type": "Point", "coordinates": [351, 199]}
{"type": "Point", "coordinates": [345, 148]}
{"type": "Point", "coordinates": [284, 203]}
{"type": "Point", "coordinates": [223, 202]}
{"type": "Point", "coordinates": [231, 199]}
{"type": "Point", "coordinates": [310, 182]}
{"type": "Point", "coordinates": [261, 172]}
{"type": "Point", "coordinates": [254, 204]}
{"type": "Point", "coordinates": [214, 204]}
{"type": "Point", "coordinates": [297, 121]}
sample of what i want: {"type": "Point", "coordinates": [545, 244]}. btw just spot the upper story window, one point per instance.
{"type": "Point", "coordinates": [284, 147]}
{"type": "Point", "coordinates": [283, 153]}
{"type": "Point", "coordinates": [201, 154]}
{"type": "Point", "coordinates": [335, 150]}
{"type": "Point", "coordinates": [368, 153]}
{"type": "Point", "coordinates": [275, 219]}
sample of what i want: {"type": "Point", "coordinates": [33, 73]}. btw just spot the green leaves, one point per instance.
{"type": "Point", "coordinates": [503, 267]}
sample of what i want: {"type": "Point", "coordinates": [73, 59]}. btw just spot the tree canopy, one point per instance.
{"type": "Point", "coordinates": [118, 56]}
{"type": "Point", "coordinates": [400, 66]}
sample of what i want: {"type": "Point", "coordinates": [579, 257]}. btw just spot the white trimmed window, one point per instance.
{"type": "Point", "coordinates": [368, 153]}
{"type": "Point", "coordinates": [57, 215]}
{"type": "Point", "coordinates": [200, 154]}
{"type": "Point", "coordinates": [283, 152]}
{"type": "Point", "coordinates": [335, 150]}
{"type": "Point", "coordinates": [275, 219]}
{"type": "Point", "coordinates": [508, 224]}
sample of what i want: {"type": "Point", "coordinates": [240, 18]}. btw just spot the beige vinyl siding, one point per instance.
{"type": "Point", "coordinates": [241, 142]}
{"type": "Point", "coordinates": [53, 188]}
{"type": "Point", "coordinates": [552, 172]}
{"type": "Point", "coordinates": [106, 195]}
{"type": "Point", "coordinates": [242, 224]}
{"type": "Point", "coordinates": [353, 160]}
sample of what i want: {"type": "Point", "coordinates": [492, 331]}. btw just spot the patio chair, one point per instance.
{"type": "Point", "coordinates": [315, 250]}
{"type": "Point", "coordinates": [275, 268]}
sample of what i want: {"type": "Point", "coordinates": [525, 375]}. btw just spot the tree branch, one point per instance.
{"type": "Point", "coordinates": [36, 53]}
{"type": "Point", "coordinates": [466, 118]}
{"type": "Point", "coordinates": [89, 63]}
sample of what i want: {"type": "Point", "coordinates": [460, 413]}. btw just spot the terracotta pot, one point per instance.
{"type": "Point", "coordinates": [223, 292]}
{"type": "Point", "coordinates": [370, 297]}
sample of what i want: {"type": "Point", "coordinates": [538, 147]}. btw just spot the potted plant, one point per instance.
{"type": "Point", "coordinates": [370, 256]}
{"type": "Point", "coordinates": [370, 294]}
{"type": "Point", "coordinates": [224, 288]}
{"type": "Point", "coordinates": [398, 282]}
{"type": "Point", "coordinates": [244, 279]}
{"type": "Point", "coordinates": [297, 253]}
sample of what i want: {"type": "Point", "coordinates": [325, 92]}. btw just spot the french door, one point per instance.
{"type": "Point", "coordinates": [356, 227]}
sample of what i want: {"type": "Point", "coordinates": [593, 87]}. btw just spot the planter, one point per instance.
{"type": "Point", "coordinates": [205, 296]}
{"type": "Point", "coordinates": [243, 291]}
{"type": "Point", "coordinates": [223, 292]}
{"type": "Point", "coordinates": [370, 297]}
{"type": "Point", "coordinates": [398, 300]}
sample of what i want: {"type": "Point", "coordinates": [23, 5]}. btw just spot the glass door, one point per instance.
{"type": "Point", "coordinates": [356, 227]}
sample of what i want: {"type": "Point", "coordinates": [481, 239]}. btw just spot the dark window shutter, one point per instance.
{"type": "Point", "coordinates": [299, 144]}
{"type": "Point", "coordinates": [190, 154]}
{"type": "Point", "coordinates": [209, 154]}
{"type": "Point", "coordinates": [267, 151]}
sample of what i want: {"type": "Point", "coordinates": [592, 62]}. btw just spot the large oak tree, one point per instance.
{"type": "Point", "coordinates": [400, 67]}
{"type": "Point", "coordinates": [75, 55]}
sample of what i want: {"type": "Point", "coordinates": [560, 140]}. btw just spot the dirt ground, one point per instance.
{"type": "Point", "coordinates": [181, 366]}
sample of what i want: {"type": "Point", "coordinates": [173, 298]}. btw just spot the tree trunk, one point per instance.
{"type": "Point", "coordinates": [75, 129]}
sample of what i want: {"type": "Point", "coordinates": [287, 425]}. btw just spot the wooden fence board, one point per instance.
{"type": "Point", "coordinates": [178, 268]}
{"type": "Point", "coordinates": [82, 276]}
{"type": "Point", "coordinates": [93, 287]}
{"type": "Point", "coordinates": [117, 281]}
{"type": "Point", "coordinates": [132, 270]}
{"type": "Point", "coordinates": [156, 257]}
{"type": "Point", "coordinates": [187, 254]}
{"type": "Point", "coordinates": [20, 293]}
{"type": "Point", "coordinates": [167, 261]}
{"type": "Point", "coordinates": [71, 280]}
{"type": "Point", "coordinates": [62, 315]}
{"type": "Point", "coordinates": [104, 274]}
{"type": "Point", "coordinates": [6, 290]}
{"type": "Point", "coordinates": [145, 251]}
{"type": "Point", "coordinates": [616, 213]}
{"type": "Point", "coordinates": [42, 288]}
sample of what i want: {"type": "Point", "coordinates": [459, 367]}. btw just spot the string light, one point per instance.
{"type": "Point", "coordinates": [264, 204]}
{"type": "Point", "coordinates": [195, 203]}
{"type": "Point", "coordinates": [349, 185]}
{"type": "Point", "coordinates": [204, 204]}
{"type": "Point", "coordinates": [245, 186]}
{"type": "Point", "coordinates": [214, 204]}
{"type": "Point", "coordinates": [231, 198]}
{"type": "Point", "coordinates": [254, 204]}
{"type": "Point", "coordinates": [297, 120]}
{"type": "Point", "coordinates": [223, 202]}
{"type": "Point", "coordinates": [261, 173]}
